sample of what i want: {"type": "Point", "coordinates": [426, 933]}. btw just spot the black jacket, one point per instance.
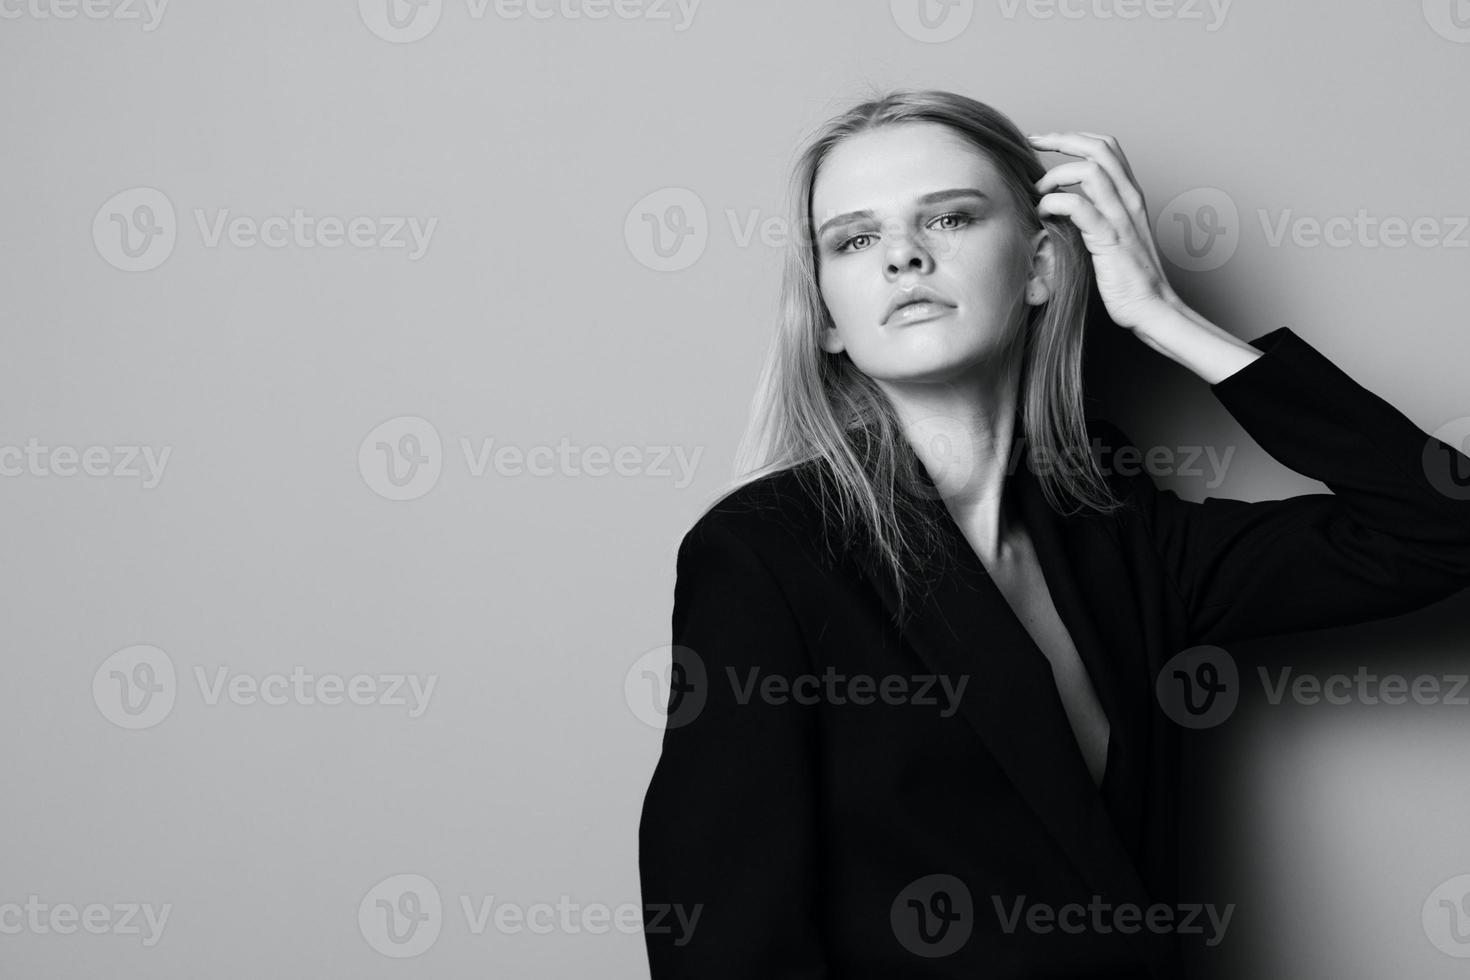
{"type": "Point", "coordinates": [821, 837]}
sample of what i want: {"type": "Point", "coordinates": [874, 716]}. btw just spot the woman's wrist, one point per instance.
{"type": "Point", "coordinates": [1179, 333]}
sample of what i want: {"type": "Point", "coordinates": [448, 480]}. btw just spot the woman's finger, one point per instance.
{"type": "Point", "coordinates": [1102, 150]}
{"type": "Point", "coordinates": [1094, 227]}
{"type": "Point", "coordinates": [1106, 153]}
{"type": "Point", "coordinates": [1141, 221]}
{"type": "Point", "coordinates": [1117, 149]}
{"type": "Point", "coordinates": [1098, 186]}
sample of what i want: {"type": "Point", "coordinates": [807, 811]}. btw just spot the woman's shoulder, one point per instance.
{"type": "Point", "coordinates": [776, 510]}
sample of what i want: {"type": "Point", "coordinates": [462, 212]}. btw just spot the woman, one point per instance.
{"type": "Point", "coordinates": [912, 729]}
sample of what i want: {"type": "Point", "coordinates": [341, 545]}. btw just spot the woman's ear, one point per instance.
{"type": "Point", "coordinates": [1041, 280]}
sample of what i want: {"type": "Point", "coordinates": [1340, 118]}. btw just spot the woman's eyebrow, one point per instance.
{"type": "Point", "coordinates": [934, 197]}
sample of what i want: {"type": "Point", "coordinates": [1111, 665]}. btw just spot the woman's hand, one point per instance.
{"type": "Point", "coordinates": [1113, 219]}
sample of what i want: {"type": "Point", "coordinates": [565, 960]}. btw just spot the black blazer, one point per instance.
{"type": "Point", "coordinates": [805, 834]}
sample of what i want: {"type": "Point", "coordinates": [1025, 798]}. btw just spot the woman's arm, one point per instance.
{"type": "Point", "coordinates": [729, 821]}
{"type": "Point", "coordinates": [1185, 337]}
{"type": "Point", "coordinates": [1387, 540]}
{"type": "Point", "coordinates": [1390, 538]}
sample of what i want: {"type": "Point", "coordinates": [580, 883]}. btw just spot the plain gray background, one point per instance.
{"type": "Point", "coordinates": [544, 150]}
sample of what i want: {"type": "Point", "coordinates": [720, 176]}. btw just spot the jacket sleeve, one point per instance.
{"type": "Point", "coordinates": [728, 829]}
{"type": "Point", "coordinates": [1393, 536]}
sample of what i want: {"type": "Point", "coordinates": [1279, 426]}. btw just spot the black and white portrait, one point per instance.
{"type": "Point", "coordinates": [695, 490]}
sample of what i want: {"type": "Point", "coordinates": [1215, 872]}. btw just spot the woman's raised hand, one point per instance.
{"type": "Point", "coordinates": [1111, 214]}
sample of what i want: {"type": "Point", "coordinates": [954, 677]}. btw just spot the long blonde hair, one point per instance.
{"type": "Point", "coordinates": [811, 405]}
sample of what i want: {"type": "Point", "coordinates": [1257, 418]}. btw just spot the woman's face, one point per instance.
{"type": "Point", "coordinates": [926, 226]}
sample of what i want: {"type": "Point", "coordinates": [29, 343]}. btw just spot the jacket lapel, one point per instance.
{"type": "Point", "coordinates": [965, 626]}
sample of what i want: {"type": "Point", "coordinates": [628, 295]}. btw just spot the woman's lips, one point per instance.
{"type": "Point", "coordinates": [925, 310]}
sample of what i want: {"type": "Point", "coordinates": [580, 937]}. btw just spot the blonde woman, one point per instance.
{"type": "Point", "coordinates": [912, 728]}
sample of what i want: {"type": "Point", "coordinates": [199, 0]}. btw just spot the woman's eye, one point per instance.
{"type": "Point", "coordinates": [957, 216]}
{"type": "Point", "coordinates": [960, 217]}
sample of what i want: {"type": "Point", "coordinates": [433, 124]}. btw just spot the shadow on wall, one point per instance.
{"type": "Point", "coordinates": [1275, 816]}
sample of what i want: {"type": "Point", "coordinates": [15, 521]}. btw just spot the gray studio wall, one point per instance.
{"type": "Point", "coordinates": [534, 155]}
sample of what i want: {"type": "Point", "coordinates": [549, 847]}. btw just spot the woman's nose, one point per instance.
{"type": "Point", "coordinates": [907, 253]}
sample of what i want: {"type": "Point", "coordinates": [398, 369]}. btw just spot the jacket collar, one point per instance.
{"type": "Point", "coordinates": [965, 626]}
